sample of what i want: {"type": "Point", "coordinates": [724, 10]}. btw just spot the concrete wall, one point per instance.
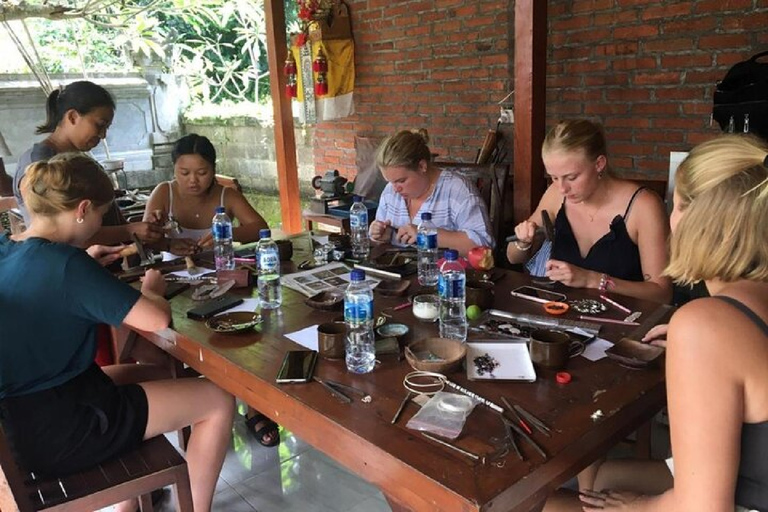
{"type": "Point", "coordinates": [246, 150]}
{"type": "Point", "coordinates": [133, 131]}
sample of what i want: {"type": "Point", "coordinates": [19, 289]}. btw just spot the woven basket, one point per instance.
{"type": "Point", "coordinates": [450, 353]}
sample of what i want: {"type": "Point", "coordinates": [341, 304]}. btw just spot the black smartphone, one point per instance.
{"type": "Point", "coordinates": [211, 307]}
{"type": "Point", "coordinates": [172, 289]}
{"type": "Point", "coordinates": [537, 294]}
{"type": "Point", "coordinates": [298, 366]}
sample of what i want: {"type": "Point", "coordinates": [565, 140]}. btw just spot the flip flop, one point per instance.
{"type": "Point", "coordinates": [269, 426]}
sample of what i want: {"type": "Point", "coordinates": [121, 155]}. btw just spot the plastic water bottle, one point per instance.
{"type": "Point", "coordinates": [426, 243]}
{"type": "Point", "coordinates": [358, 224]}
{"type": "Point", "coordinates": [223, 252]}
{"type": "Point", "coordinates": [450, 288]}
{"type": "Point", "coordinates": [358, 315]}
{"type": "Point", "coordinates": [268, 280]}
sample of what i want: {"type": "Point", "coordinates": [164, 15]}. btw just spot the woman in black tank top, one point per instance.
{"type": "Point", "coordinates": [717, 348]}
{"type": "Point", "coordinates": [597, 244]}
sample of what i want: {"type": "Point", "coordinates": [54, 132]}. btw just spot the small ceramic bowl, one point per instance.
{"type": "Point", "coordinates": [426, 307]}
{"type": "Point", "coordinates": [392, 330]}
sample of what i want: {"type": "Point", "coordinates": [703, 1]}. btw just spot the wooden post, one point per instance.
{"type": "Point", "coordinates": [530, 104]}
{"type": "Point", "coordinates": [285, 143]}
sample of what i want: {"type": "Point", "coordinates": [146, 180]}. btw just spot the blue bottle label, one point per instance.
{"type": "Point", "coordinates": [268, 260]}
{"type": "Point", "coordinates": [222, 231]}
{"type": "Point", "coordinates": [358, 311]}
{"type": "Point", "coordinates": [453, 289]}
{"type": "Point", "coordinates": [357, 220]}
{"type": "Point", "coordinates": [426, 241]}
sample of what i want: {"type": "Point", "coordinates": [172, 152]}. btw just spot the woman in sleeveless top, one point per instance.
{"type": "Point", "coordinates": [610, 234]}
{"type": "Point", "coordinates": [191, 199]}
{"type": "Point", "coordinates": [717, 348]}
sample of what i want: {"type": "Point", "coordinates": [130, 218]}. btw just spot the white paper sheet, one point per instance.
{"type": "Point", "coordinates": [596, 349]}
{"type": "Point", "coordinates": [306, 337]}
{"type": "Point", "coordinates": [185, 272]}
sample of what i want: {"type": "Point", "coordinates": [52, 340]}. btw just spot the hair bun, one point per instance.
{"type": "Point", "coordinates": [424, 134]}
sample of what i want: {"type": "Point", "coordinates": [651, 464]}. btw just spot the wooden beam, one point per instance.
{"type": "Point", "coordinates": [530, 104]}
{"type": "Point", "coordinates": [285, 143]}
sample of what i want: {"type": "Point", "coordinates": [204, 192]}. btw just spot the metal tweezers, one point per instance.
{"type": "Point", "coordinates": [337, 389]}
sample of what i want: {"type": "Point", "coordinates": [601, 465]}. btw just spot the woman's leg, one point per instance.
{"type": "Point", "coordinates": [174, 404]}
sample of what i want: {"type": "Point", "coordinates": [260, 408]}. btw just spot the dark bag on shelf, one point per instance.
{"type": "Point", "coordinates": [742, 95]}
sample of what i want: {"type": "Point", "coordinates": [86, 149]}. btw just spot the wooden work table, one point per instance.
{"type": "Point", "coordinates": [413, 472]}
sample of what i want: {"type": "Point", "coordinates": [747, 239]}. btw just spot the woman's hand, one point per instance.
{"type": "Point", "coordinates": [378, 230]}
{"type": "Point", "coordinates": [183, 246]}
{"type": "Point", "coordinates": [406, 235]}
{"type": "Point", "coordinates": [146, 231]}
{"type": "Point", "coordinates": [571, 275]}
{"type": "Point", "coordinates": [205, 241]}
{"type": "Point", "coordinates": [607, 500]}
{"type": "Point", "coordinates": [657, 335]}
{"type": "Point", "coordinates": [105, 254]}
{"type": "Point", "coordinates": [525, 232]}
{"type": "Point", "coordinates": [153, 282]}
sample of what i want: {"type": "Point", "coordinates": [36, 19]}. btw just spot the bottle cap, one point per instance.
{"type": "Point", "coordinates": [426, 216]}
{"type": "Point", "coordinates": [563, 377]}
{"type": "Point", "coordinates": [357, 275]}
{"type": "Point", "coordinates": [265, 233]}
{"type": "Point", "coordinates": [357, 199]}
{"type": "Point", "coordinates": [220, 209]}
{"type": "Point", "coordinates": [451, 254]}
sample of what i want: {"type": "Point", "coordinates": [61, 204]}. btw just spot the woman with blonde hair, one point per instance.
{"type": "Point", "coordinates": [610, 234]}
{"type": "Point", "coordinates": [717, 347]}
{"type": "Point", "coordinates": [416, 186]}
{"type": "Point", "coordinates": [61, 412]}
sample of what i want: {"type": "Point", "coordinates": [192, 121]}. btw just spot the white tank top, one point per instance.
{"type": "Point", "coordinates": [194, 234]}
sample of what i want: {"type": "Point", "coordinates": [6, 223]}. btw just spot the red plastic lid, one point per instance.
{"type": "Point", "coordinates": [563, 377]}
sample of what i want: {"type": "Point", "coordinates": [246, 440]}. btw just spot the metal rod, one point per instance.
{"type": "Point", "coordinates": [471, 455]}
{"type": "Point", "coordinates": [526, 438]}
{"type": "Point", "coordinates": [533, 419]}
{"type": "Point", "coordinates": [474, 395]}
{"type": "Point", "coordinates": [400, 409]}
{"type": "Point", "coordinates": [606, 320]}
{"type": "Point", "coordinates": [335, 392]}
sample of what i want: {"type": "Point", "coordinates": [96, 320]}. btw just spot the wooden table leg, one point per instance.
{"type": "Point", "coordinates": [395, 506]}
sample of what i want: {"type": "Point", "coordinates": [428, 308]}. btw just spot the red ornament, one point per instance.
{"type": "Point", "coordinates": [291, 90]}
{"type": "Point", "coordinates": [321, 86]}
{"type": "Point", "coordinates": [289, 68]}
{"type": "Point", "coordinates": [320, 64]}
{"type": "Point", "coordinates": [301, 39]}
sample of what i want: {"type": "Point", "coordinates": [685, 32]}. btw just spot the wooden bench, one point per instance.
{"type": "Point", "coordinates": [153, 465]}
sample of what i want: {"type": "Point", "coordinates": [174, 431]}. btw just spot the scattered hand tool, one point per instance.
{"type": "Point", "coordinates": [337, 389]}
{"type": "Point", "coordinates": [466, 453]}
{"type": "Point", "coordinates": [516, 416]}
{"type": "Point", "coordinates": [192, 268]}
{"type": "Point", "coordinates": [402, 406]}
{"type": "Point", "coordinates": [536, 422]}
{"type": "Point", "coordinates": [147, 257]}
{"type": "Point", "coordinates": [519, 431]}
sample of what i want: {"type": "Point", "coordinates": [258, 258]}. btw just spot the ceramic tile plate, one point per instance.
{"type": "Point", "coordinates": [499, 361]}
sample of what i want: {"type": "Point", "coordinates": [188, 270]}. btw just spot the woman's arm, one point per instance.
{"type": "Point", "coordinates": [550, 202]}
{"type": "Point", "coordinates": [250, 220]}
{"type": "Point", "coordinates": [151, 312]}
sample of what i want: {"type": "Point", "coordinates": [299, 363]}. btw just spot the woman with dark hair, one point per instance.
{"type": "Point", "coordinates": [191, 199]}
{"type": "Point", "coordinates": [77, 119]}
{"type": "Point", "coordinates": [61, 412]}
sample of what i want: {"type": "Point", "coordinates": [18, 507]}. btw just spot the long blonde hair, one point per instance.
{"type": "Point", "coordinates": [404, 149]}
{"type": "Point", "coordinates": [722, 186]}
{"type": "Point", "coordinates": [59, 184]}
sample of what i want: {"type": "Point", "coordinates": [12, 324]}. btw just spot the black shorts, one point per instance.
{"type": "Point", "coordinates": [75, 425]}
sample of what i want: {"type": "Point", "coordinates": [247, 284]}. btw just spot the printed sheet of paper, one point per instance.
{"type": "Point", "coordinates": [333, 276]}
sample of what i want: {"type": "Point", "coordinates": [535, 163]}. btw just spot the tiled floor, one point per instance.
{"type": "Point", "coordinates": [293, 477]}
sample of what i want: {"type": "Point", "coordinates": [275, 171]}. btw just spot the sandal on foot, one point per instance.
{"type": "Point", "coordinates": [268, 427]}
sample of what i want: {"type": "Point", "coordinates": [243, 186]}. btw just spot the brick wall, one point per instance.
{"type": "Point", "coordinates": [647, 70]}
{"type": "Point", "coordinates": [436, 64]}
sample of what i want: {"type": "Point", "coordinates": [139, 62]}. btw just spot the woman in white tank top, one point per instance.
{"type": "Point", "coordinates": [191, 199]}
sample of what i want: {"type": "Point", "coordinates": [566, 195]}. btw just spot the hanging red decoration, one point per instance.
{"type": "Point", "coordinates": [290, 69]}
{"type": "Point", "coordinates": [320, 64]}
{"type": "Point", "coordinates": [321, 85]}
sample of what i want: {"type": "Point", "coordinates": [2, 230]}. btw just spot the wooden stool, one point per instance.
{"type": "Point", "coordinates": [153, 465]}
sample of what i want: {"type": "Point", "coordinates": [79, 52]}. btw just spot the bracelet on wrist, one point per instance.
{"type": "Point", "coordinates": [522, 247]}
{"type": "Point", "coordinates": [606, 283]}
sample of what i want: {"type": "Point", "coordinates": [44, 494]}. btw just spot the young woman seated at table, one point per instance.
{"type": "Point", "coordinates": [610, 234]}
{"type": "Point", "coordinates": [191, 199]}
{"type": "Point", "coordinates": [190, 202]}
{"type": "Point", "coordinates": [415, 186]}
{"type": "Point", "coordinates": [77, 119]}
{"type": "Point", "coordinates": [61, 412]}
{"type": "Point", "coordinates": [717, 392]}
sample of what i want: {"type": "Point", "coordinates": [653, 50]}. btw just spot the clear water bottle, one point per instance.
{"type": "Point", "coordinates": [426, 243]}
{"type": "Point", "coordinates": [268, 280]}
{"type": "Point", "coordinates": [358, 224]}
{"type": "Point", "coordinates": [223, 252]}
{"type": "Point", "coordinates": [358, 315]}
{"type": "Point", "coordinates": [450, 288]}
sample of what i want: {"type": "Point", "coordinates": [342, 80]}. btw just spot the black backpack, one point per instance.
{"type": "Point", "coordinates": [741, 98]}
